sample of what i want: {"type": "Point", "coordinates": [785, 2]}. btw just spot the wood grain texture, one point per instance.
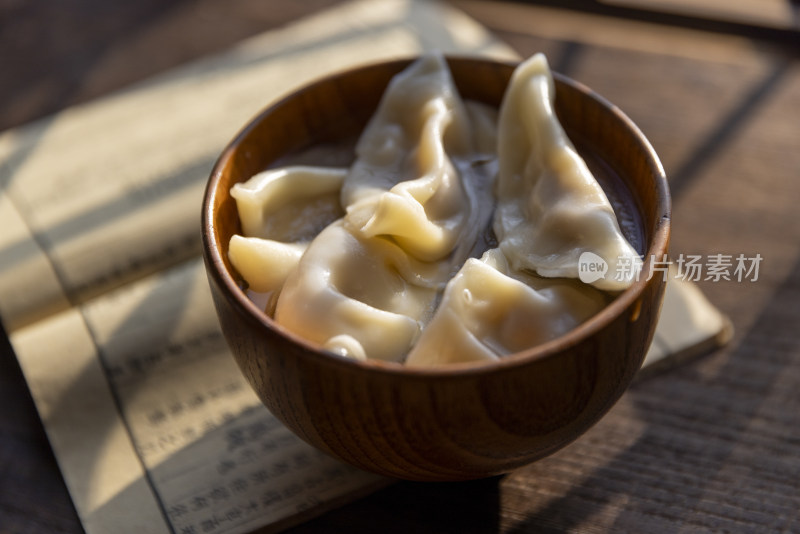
{"type": "Point", "coordinates": [456, 422]}
{"type": "Point", "coordinates": [711, 446]}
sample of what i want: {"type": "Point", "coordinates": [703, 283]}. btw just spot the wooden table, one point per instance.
{"type": "Point", "coordinates": [711, 445]}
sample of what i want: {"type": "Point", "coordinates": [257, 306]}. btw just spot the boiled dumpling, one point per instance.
{"type": "Point", "coordinates": [488, 311]}
{"type": "Point", "coordinates": [407, 183]}
{"type": "Point", "coordinates": [289, 203]}
{"type": "Point", "coordinates": [347, 294]}
{"type": "Point", "coordinates": [550, 209]}
{"type": "Point", "coordinates": [264, 263]}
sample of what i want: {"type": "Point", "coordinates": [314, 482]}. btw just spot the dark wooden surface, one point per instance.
{"type": "Point", "coordinates": [711, 445]}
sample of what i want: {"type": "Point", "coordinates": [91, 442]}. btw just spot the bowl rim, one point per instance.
{"type": "Point", "coordinates": [658, 246]}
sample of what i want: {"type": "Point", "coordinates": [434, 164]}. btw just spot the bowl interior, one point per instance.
{"type": "Point", "coordinates": [339, 106]}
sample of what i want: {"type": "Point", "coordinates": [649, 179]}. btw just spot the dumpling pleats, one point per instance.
{"type": "Point", "coordinates": [550, 208]}
{"type": "Point", "coordinates": [488, 311]}
{"type": "Point", "coordinates": [405, 183]}
{"type": "Point", "coordinates": [347, 295]}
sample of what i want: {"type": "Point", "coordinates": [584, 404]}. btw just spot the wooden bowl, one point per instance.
{"type": "Point", "coordinates": [456, 422]}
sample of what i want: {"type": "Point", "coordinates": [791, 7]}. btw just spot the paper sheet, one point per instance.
{"type": "Point", "coordinates": [153, 425]}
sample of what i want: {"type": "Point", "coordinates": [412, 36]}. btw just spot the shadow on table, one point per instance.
{"type": "Point", "coordinates": [418, 507]}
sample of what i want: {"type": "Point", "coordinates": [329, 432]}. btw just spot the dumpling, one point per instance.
{"type": "Point", "coordinates": [488, 311]}
{"type": "Point", "coordinates": [348, 295]}
{"type": "Point", "coordinates": [289, 203]}
{"type": "Point", "coordinates": [407, 182]}
{"type": "Point", "coordinates": [550, 209]}
{"type": "Point", "coordinates": [264, 263]}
